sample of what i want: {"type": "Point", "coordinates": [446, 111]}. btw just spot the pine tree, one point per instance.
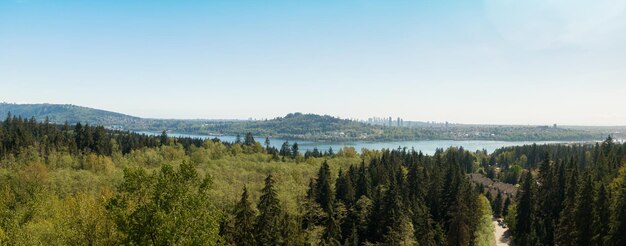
{"type": "Point", "coordinates": [353, 238]}
{"type": "Point", "coordinates": [497, 205]}
{"type": "Point", "coordinates": [267, 143]}
{"type": "Point", "coordinates": [332, 232]}
{"type": "Point", "coordinates": [422, 224]}
{"type": "Point", "coordinates": [363, 210]}
{"type": "Point", "coordinates": [601, 216]}
{"type": "Point", "coordinates": [249, 140]}
{"type": "Point", "coordinates": [583, 212]}
{"type": "Point", "coordinates": [393, 227]}
{"type": "Point", "coordinates": [523, 225]}
{"type": "Point", "coordinates": [323, 188]}
{"type": "Point", "coordinates": [285, 150]}
{"type": "Point", "coordinates": [268, 222]}
{"type": "Point", "coordinates": [547, 203]}
{"type": "Point", "coordinates": [344, 189]}
{"type": "Point", "coordinates": [244, 221]}
{"type": "Point", "coordinates": [507, 204]}
{"type": "Point", "coordinates": [294, 150]}
{"type": "Point", "coordinates": [459, 232]}
{"type": "Point", "coordinates": [363, 182]}
{"type": "Point", "coordinates": [566, 222]}
{"type": "Point", "coordinates": [617, 231]}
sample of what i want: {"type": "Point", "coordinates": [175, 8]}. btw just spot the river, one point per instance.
{"type": "Point", "coordinates": [426, 146]}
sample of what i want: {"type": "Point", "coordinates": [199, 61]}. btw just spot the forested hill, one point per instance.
{"type": "Point", "coordinates": [300, 126]}
{"type": "Point", "coordinates": [60, 113]}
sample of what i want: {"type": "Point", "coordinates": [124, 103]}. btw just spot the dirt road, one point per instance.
{"type": "Point", "coordinates": [502, 235]}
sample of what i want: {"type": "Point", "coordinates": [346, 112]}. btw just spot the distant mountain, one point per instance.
{"type": "Point", "coordinates": [301, 126]}
{"type": "Point", "coordinates": [60, 113]}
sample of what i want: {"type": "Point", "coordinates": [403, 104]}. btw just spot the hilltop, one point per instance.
{"type": "Point", "coordinates": [60, 113]}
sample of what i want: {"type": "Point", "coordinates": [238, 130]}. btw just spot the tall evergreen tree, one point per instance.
{"type": "Point", "coordinates": [566, 222]}
{"type": "Point", "coordinates": [268, 231]}
{"type": "Point", "coordinates": [332, 231]}
{"type": "Point", "coordinates": [507, 204]}
{"type": "Point", "coordinates": [617, 231]}
{"type": "Point", "coordinates": [601, 215]}
{"type": "Point", "coordinates": [583, 211]}
{"type": "Point", "coordinates": [363, 182]}
{"type": "Point", "coordinates": [497, 205]}
{"type": "Point", "coordinates": [244, 221]}
{"type": "Point", "coordinates": [523, 224]}
{"type": "Point", "coordinates": [267, 143]}
{"type": "Point", "coordinates": [164, 138]}
{"type": "Point", "coordinates": [323, 188]}
{"type": "Point", "coordinates": [249, 140]}
{"type": "Point", "coordinates": [294, 150]}
{"type": "Point", "coordinates": [344, 189]}
{"type": "Point", "coordinates": [459, 225]}
{"type": "Point", "coordinates": [285, 149]}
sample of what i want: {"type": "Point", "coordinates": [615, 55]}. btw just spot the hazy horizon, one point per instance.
{"type": "Point", "coordinates": [472, 62]}
{"type": "Point", "coordinates": [394, 118]}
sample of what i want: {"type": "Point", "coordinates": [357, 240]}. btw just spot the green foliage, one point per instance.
{"type": "Point", "coordinates": [168, 207]}
{"type": "Point", "coordinates": [523, 226]}
{"type": "Point", "coordinates": [268, 229]}
{"type": "Point", "coordinates": [484, 234]}
{"type": "Point", "coordinates": [617, 233]}
{"type": "Point", "coordinates": [563, 198]}
{"type": "Point", "coordinates": [63, 186]}
{"type": "Point", "coordinates": [497, 205]}
{"type": "Point", "coordinates": [244, 221]}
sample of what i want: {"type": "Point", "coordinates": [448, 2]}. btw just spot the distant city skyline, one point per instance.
{"type": "Point", "coordinates": [474, 62]}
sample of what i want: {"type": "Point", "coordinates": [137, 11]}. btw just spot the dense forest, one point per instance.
{"type": "Point", "coordinates": [298, 126]}
{"type": "Point", "coordinates": [86, 185]}
{"type": "Point", "coordinates": [568, 194]}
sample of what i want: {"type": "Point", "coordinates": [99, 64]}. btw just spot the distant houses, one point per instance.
{"type": "Point", "coordinates": [494, 186]}
{"type": "Point", "coordinates": [115, 127]}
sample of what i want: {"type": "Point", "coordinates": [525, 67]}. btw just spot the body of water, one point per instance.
{"type": "Point", "coordinates": [426, 146]}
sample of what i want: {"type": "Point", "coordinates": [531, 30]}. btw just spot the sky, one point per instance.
{"type": "Point", "coordinates": [470, 61]}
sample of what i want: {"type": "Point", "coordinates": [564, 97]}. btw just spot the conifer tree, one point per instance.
{"type": "Point", "coordinates": [601, 216]}
{"type": "Point", "coordinates": [583, 212]}
{"type": "Point", "coordinates": [497, 205]}
{"type": "Point", "coordinates": [363, 182]}
{"type": "Point", "coordinates": [164, 138]}
{"type": "Point", "coordinates": [353, 238]}
{"type": "Point", "coordinates": [267, 143]}
{"type": "Point", "coordinates": [507, 204]}
{"type": "Point", "coordinates": [617, 231]}
{"type": "Point", "coordinates": [344, 189]}
{"type": "Point", "coordinates": [285, 149]}
{"type": "Point", "coordinates": [294, 150]}
{"type": "Point", "coordinates": [323, 189]}
{"type": "Point", "coordinates": [422, 224]}
{"type": "Point", "coordinates": [523, 225]}
{"type": "Point", "coordinates": [332, 232]}
{"type": "Point", "coordinates": [249, 140]}
{"type": "Point", "coordinates": [566, 222]}
{"type": "Point", "coordinates": [244, 221]}
{"type": "Point", "coordinates": [459, 232]}
{"type": "Point", "coordinates": [268, 231]}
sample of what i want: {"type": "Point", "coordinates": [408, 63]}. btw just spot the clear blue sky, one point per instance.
{"type": "Point", "coordinates": [491, 61]}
